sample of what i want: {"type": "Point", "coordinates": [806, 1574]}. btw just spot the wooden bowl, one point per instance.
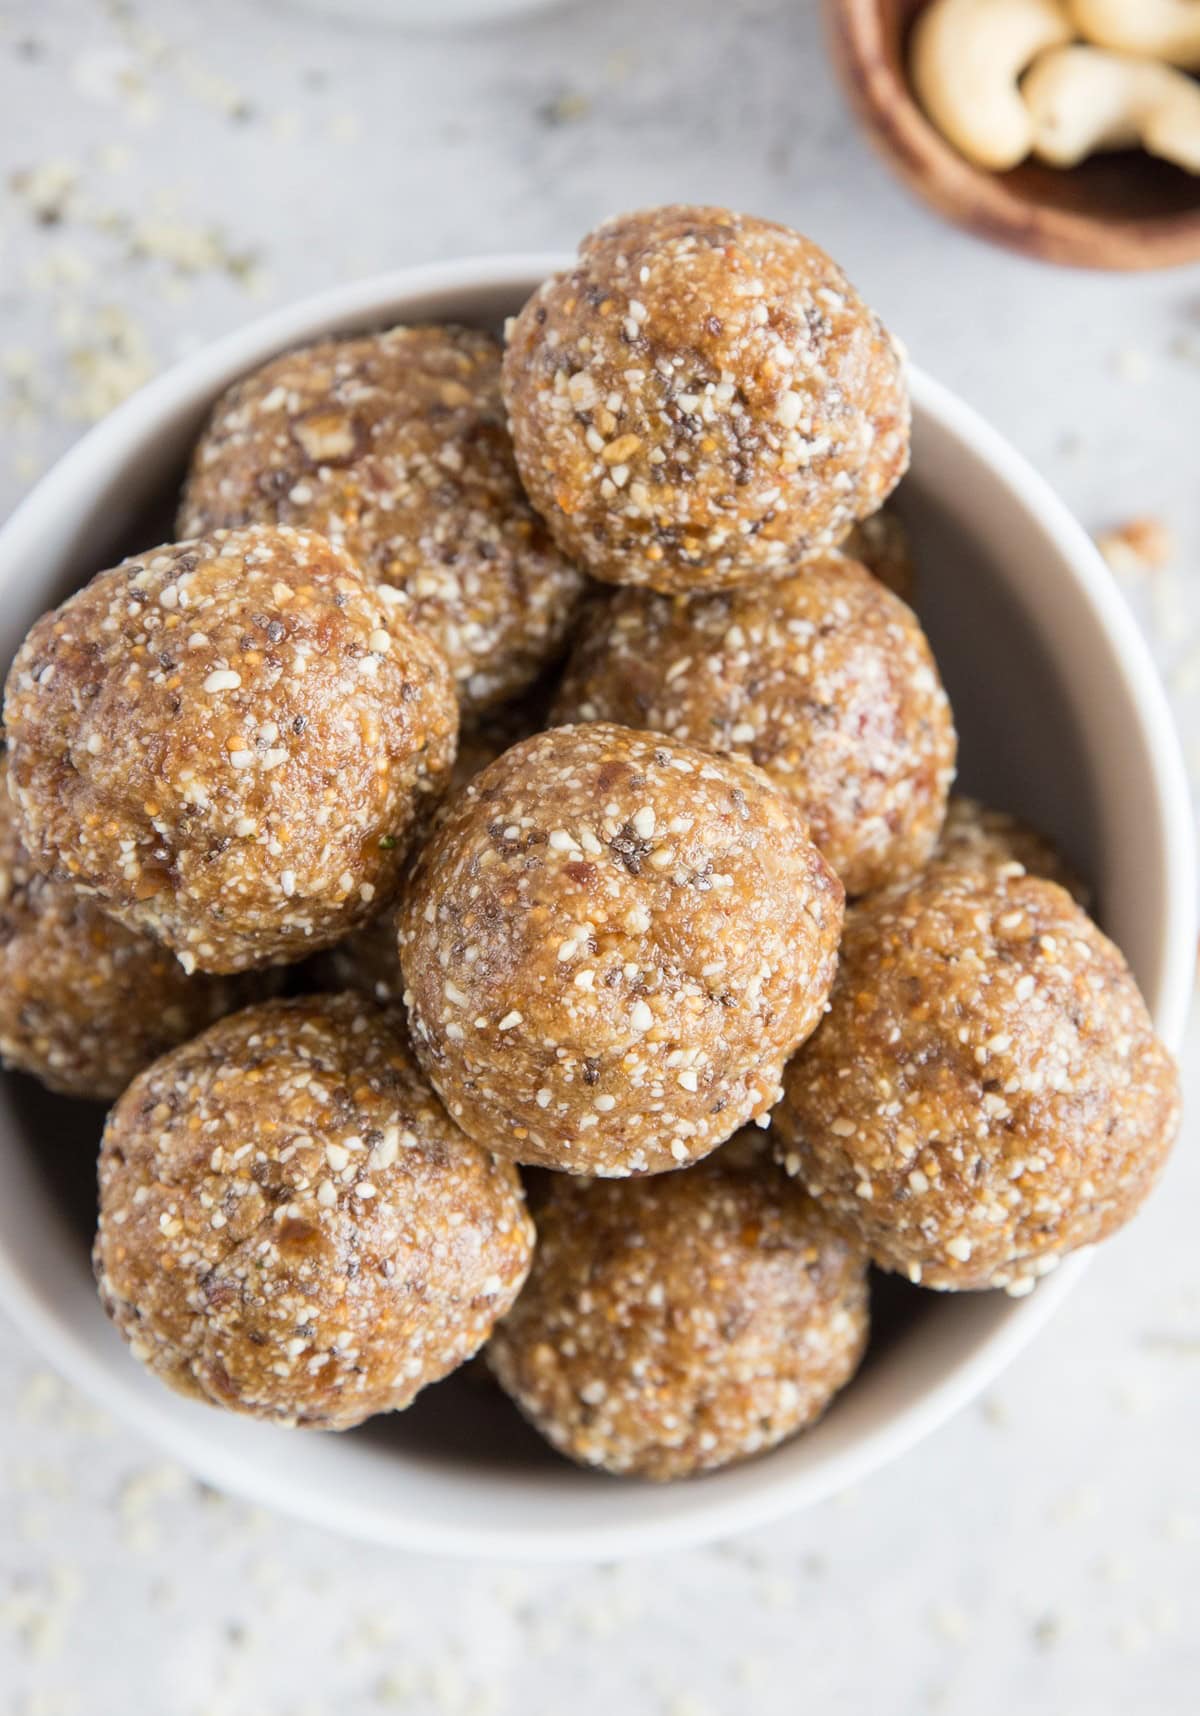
{"type": "Point", "coordinates": [1126, 210]}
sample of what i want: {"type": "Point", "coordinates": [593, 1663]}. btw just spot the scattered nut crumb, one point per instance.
{"type": "Point", "coordinates": [1141, 544]}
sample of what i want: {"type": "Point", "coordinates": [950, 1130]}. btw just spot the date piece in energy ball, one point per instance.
{"type": "Point", "coordinates": [84, 1002]}
{"type": "Point", "coordinates": [824, 679]}
{"type": "Point", "coordinates": [611, 946]}
{"type": "Point", "coordinates": [975, 837]}
{"type": "Point", "coordinates": [986, 1092]}
{"type": "Point", "coordinates": [226, 742]}
{"type": "Point", "coordinates": [369, 960]}
{"type": "Point", "coordinates": [292, 1227]}
{"type": "Point", "coordinates": [702, 400]}
{"type": "Point", "coordinates": [678, 1323]}
{"type": "Point", "coordinates": [395, 446]}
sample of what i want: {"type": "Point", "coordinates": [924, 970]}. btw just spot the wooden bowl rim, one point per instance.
{"type": "Point", "coordinates": [981, 201]}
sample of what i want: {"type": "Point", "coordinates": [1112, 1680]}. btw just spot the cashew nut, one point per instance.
{"type": "Point", "coordinates": [1162, 29]}
{"type": "Point", "coordinates": [966, 58]}
{"type": "Point", "coordinates": [1083, 99]}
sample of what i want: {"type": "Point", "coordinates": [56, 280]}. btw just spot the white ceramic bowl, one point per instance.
{"type": "Point", "coordinates": [1061, 718]}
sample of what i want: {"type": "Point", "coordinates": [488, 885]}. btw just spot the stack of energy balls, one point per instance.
{"type": "Point", "coordinates": [591, 921]}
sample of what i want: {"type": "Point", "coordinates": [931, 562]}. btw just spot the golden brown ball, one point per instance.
{"type": "Point", "coordinates": [611, 945]}
{"type": "Point", "coordinates": [702, 400]}
{"type": "Point", "coordinates": [292, 1227]}
{"type": "Point", "coordinates": [676, 1324]}
{"type": "Point", "coordinates": [974, 836]}
{"type": "Point", "coordinates": [823, 679]}
{"type": "Point", "coordinates": [394, 445]}
{"type": "Point", "coordinates": [986, 1092]}
{"type": "Point", "coordinates": [84, 1002]}
{"type": "Point", "coordinates": [884, 547]}
{"type": "Point", "coordinates": [227, 744]}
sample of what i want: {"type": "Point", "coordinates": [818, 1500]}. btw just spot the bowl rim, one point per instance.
{"type": "Point", "coordinates": [980, 201]}
{"type": "Point", "coordinates": [704, 1514]}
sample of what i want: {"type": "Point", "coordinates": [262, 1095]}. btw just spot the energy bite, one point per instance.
{"type": "Point", "coordinates": [226, 744]}
{"type": "Point", "coordinates": [702, 400]}
{"type": "Point", "coordinates": [290, 1225]}
{"type": "Point", "coordinates": [84, 1002]}
{"type": "Point", "coordinates": [675, 1324]}
{"type": "Point", "coordinates": [369, 960]}
{"type": "Point", "coordinates": [976, 837]}
{"type": "Point", "coordinates": [395, 446]}
{"type": "Point", "coordinates": [823, 679]}
{"type": "Point", "coordinates": [986, 1092]}
{"type": "Point", "coordinates": [611, 945]}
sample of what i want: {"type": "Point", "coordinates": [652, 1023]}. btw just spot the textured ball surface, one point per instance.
{"type": "Point", "coordinates": [823, 679]}
{"type": "Point", "coordinates": [986, 1093]}
{"type": "Point", "coordinates": [884, 547]}
{"type": "Point", "coordinates": [702, 400]}
{"type": "Point", "coordinates": [291, 1226]}
{"type": "Point", "coordinates": [976, 837]}
{"type": "Point", "coordinates": [84, 1002]}
{"type": "Point", "coordinates": [678, 1323]}
{"type": "Point", "coordinates": [369, 960]}
{"type": "Point", "coordinates": [611, 945]}
{"type": "Point", "coordinates": [395, 446]}
{"type": "Point", "coordinates": [226, 743]}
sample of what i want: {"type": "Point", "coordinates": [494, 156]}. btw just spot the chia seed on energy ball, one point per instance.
{"type": "Point", "coordinates": [84, 1002]}
{"type": "Point", "coordinates": [976, 837]}
{"type": "Point", "coordinates": [611, 945]}
{"type": "Point", "coordinates": [675, 1324]}
{"type": "Point", "coordinates": [986, 1092]}
{"type": "Point", "coordinates": [702, 400]}
{"type": "Point", "coordinates": [291, 1226]}
{"type": "Point", "coordinates": [226, 743]}
{"type": "Point", "coordinates": [824, 679]}
{"type": "Point", "coordinates": [395, 446]}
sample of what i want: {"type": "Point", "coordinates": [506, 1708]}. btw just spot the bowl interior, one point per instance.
{"type": "Point", "coordinates": [1127, 209]}
{"type": "Point", "coordinates": [1060, 720]}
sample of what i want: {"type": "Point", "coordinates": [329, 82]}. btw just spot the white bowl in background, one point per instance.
{"type": "Point", "coordinates": [1062, 719]}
